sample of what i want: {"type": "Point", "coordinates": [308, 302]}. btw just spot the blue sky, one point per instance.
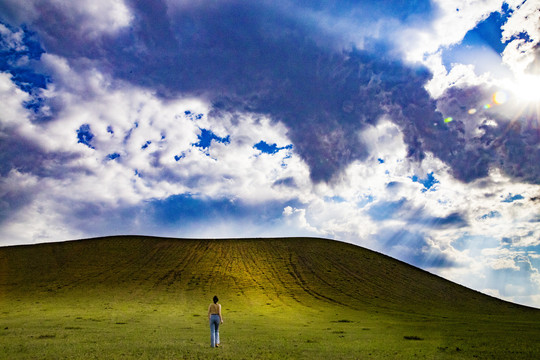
{"type": "Point", "coordinates": [410, 128]}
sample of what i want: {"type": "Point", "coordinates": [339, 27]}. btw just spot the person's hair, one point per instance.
{"type": "Point", "coordinates": [215, 299]}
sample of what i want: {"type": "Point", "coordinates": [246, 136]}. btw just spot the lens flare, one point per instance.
{"type": "Point", "coordinates": [472, 111]}
{"type": "Point", "coordinates": [487, 106]}
{"type": "Point", "coordinates": [500, 97]}
{"type": "Point", "coordinates": [448, 119]}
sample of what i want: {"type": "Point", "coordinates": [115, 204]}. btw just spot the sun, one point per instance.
{"type": "Point", "coordinates": [526, 90]}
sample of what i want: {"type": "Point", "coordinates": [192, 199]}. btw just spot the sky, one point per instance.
{"type": "Point", "coordinates": [407, 127]}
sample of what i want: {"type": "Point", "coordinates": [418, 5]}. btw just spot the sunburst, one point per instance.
{"type": "Point", "coordinates": [526, 90]}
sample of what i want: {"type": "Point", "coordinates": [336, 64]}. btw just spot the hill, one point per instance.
{"type": "Point", "coordinates": [143, 297]}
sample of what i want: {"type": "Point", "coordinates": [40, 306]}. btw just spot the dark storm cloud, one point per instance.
{"type": "Point", "coordinates": [21, 154]}
{"type": "Point", "coordinates": [11, 201]}
{"type": "Point", "coordinates": [454, 220]}
{"type": "Point", "coordinates": [286, 182]}
{"type": "Point", "coordinates": [511, 145]}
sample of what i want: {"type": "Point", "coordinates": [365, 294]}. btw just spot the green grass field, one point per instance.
{"type": "Point", "coordinates": [147, 298]}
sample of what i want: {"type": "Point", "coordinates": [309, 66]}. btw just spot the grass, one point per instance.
{"type": "Point", "coordinates": [147, 298]}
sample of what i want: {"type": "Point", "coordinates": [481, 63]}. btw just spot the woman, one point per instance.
{"type": "Point", "coordinates": [214, 315]}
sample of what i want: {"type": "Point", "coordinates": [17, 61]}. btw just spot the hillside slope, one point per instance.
{"type": "Point", "coordinates": [307, 270]}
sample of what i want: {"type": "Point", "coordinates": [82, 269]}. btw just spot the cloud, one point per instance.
{"type": "Point", "coordinates": [483, 136]}
{"type": "Point", "coordinates": [15, 193]}
{"type": "Point", "coordinates": [451, 22]}
{"type": "Point", "coordinates": [504, 263]}
{"type": "Point", "coordinates": [85, 20]}
{"type": "Point", "coordinates": [296, 219]}
{"type": "Point", "coordinates": [12, 97]}
{"type": "Point", "coordinates": [522, 34]}
{"type": "Point", "coordinates": [117, 148]}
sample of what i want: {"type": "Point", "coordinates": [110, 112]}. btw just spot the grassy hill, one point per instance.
{"type": "Point", "coordinates": [142, 297]}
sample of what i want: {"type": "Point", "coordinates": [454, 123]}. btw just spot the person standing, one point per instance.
{"type": "Point", "coordinates": [214, 315]}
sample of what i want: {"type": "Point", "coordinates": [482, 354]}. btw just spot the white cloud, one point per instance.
{"type": "Point", "coordinates": [492, 292]}
{"type": "Point", "coordinates": [153, 142]}
{"type": "Point", "coordinates": [296, 219]}
{"type": "Point", "coordinates": [104, 16]}
{"type": "Point", "coordinates": [453, 20]}
{"type": "Point", "coordinates": [483, 272]}
{"type": "Point", "coordinates": [11, 98]}
{"type": "Point", "coordinates": [478, 66]}
{"type": "Point", "coordinates": [504, 263]}
{"type": "Point", "coordinates": [244, 171]}
{"type": "Point", "coordinates": [92, 18]}
{"type": "Point", "coordinates": [40, 218]}
{"type": "Point", "coordinates": [519, 53]}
